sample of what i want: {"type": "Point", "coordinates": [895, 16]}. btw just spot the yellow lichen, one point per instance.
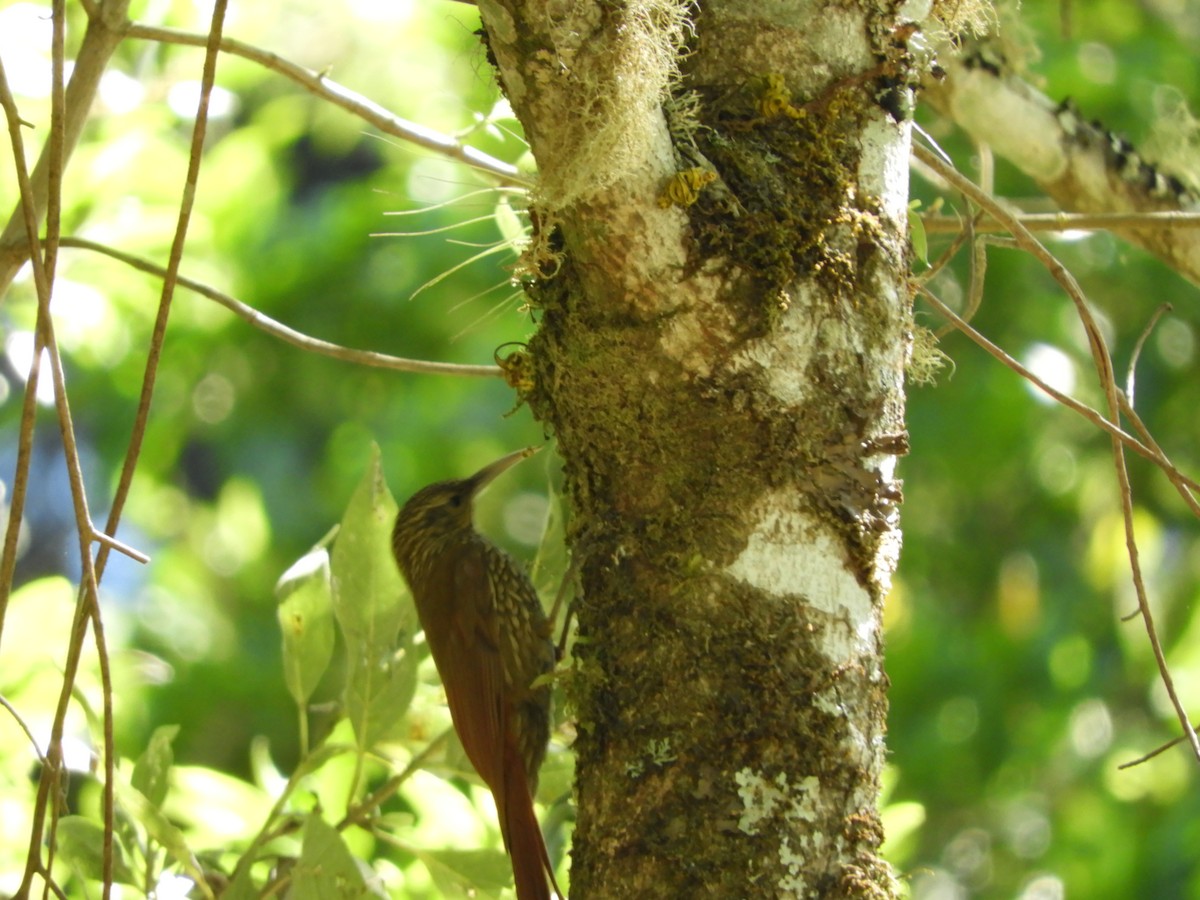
{"type": "Point", "coordinates": [776, 99]}
{"type": "Point", "coordinates": [684, 187]}
{"type": "Point", "coordinates": [517, 367]}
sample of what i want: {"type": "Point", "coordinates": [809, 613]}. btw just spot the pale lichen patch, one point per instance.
{"type": "Point", "coordinates": [766, 800]}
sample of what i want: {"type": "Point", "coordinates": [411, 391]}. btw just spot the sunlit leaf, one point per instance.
{"type": "Point", "coordinates": [375, 613]}
{"type": "Point", "coordinates": [38, 618]}
{"type": "Point", "coordinates": [305, 614]}
{"type": "Point", "coordinates": [151, 772]}
{"type": "Point", "coordinates": [511, 228]}
{"type": "Point", "coordinates": [902, 822]}
{"type": "Point", "coordinates": [216, 808]}
{"type": "Point", "coordinates": [468, 873]}
{"type": "Point", "coordinates": [162, 831]}
{"type": "Point", "coordinates": [550, 564]}
{"type": "Point", "coordinates": [326, 870]}
{"type": "Point", "coordinates": [916, 232]}
{"type": "Point", "coordinates": [81, 843]}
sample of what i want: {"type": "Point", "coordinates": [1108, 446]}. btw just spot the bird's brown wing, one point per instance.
{"type": "Point", "coordinates": [472, 672]}
{"type": "Point", "coordinates": [471, 665]}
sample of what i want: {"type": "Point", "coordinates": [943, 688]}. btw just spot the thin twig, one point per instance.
{"type": "Point", "coordinates": [1149, 450]}
{"type": "Point", "coordinates": [1131, 372]}
{"type": "Point", "coordinates": [367, 110]}
{"type": "Point", "coordinates": [89, 598]}
{"type": "Point", "coordinates": [960, 238]}
{"type": "Point", "coordinates": [277, 329]}
{"type": "Point", "coordinates": [359, 812]}
{"type": "Point", "coordinates": [56, 146]}
{"type": "Point", "coordinates": [120, 546]}
{"type": "Point", "coordinates": [25, 728]}
{"type": "Point", "coordinates": [1155, 455]}
{"type": "Point", "coordinates": [89, 588]}
{"type": "Point", "coordinates": [1161, 748]}
{"type": "Point", "coordinates": [133, 452]}
{"type": "Point", "coordinates": [1185, 486]}
{"type": "Point", "coordinates": [1092, 415]}
{"type": "Point", "coordinates": [87, 605]}
{"type": "Point", "coordinates": [1070, 222]}
{"type": "Point", "coordinates": [20, 485]}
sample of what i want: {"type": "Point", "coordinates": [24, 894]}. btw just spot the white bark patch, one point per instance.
{"type": "Point", "coordinates": [783, 355]}
{"type": "Point", "coordinates": [883, 166]}
{"type": "Point", "coordinates": [789, 555]}
{"type": "Point", "coordinates": [887, 558]}
{"type": "Point", "coordinates": [694, 335]}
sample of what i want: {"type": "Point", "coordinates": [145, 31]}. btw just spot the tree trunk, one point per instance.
{"type": "Point", "coordinates": [720, 355]}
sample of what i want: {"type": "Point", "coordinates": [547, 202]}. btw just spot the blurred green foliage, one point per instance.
{"type": "Point", "coordinates": [1016, 690]}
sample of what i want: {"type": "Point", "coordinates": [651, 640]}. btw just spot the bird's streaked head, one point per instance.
{"type": "Point", "coordinates": [442, 511]}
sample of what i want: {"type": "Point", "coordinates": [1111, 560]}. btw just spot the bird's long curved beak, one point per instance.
{"type": "Point", "coordinates": [485, 475]}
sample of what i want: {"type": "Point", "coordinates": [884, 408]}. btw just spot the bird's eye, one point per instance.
{"type": "Point", "coordinates": [456, 500]}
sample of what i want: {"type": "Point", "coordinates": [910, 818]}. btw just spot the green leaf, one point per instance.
{"type": "Point", "coordinates": [81, 844]}
{"type": "Point", "coordinates": [902, 823]}
{"type": "Point", "coordinates": [325, 869]}
{"type": "Point", "coordinates": [468, 873]}
{"type": "Point", "coordinates": [916, 230]}
{"type": "Point", "coordinates": [241, 887]}
{"type": "Point", "coordinates": [557, 776]}
{"type": "Point", "coordinates": [152, 771]}
{"type": "Point", "coordinates": [367, 587]}
{"type": "Point", "coordinates": [551, 562]}
{"type": "Point", "coordinates": [375, 612]}
{"type": "Point", "coordinates": [216, 808]}
{"type": "Point", "coordinates": [161, 830]}
{"type": "Point", "coordinates": [305, 616]}
{"type": "Point", "coordinates": [509, 224]}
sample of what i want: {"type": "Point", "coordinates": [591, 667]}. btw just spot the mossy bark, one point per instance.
{"type": "Point", "coordinates": [725, 380]}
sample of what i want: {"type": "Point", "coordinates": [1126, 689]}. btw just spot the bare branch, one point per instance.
{"type": "Point", "coordinates": [1070, 222]}
{"type": "Point", "coordinates": [105, 32]}
{"type": "Point", "coordinates": [87, 607]}
{"type": "Point", "coordinates": [1066, 400]}
{"type": "Point", "coordinates": [1081, 166]}
{"type": "Point", "coordinates": [120, 546]}
{"type": "Point", "coordinates": [277, 329]}
{"type": "Point", "coordinates": [1185, 486]}
{"type": "Point", "coordinates": [170, 276]}
{"type": "Point", "coordinates": [1152, 452]}
{"type": "Point", "coordinates": [367, 110]}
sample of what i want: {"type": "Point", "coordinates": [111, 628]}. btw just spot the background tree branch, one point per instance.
{"type": "Point", "coordinates": [1081, 165]}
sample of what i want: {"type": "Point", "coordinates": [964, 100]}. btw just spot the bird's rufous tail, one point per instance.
{"type": "Point", "coordinates": [523, 838]}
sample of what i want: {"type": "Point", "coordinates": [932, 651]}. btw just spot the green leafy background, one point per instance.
{"type": "Point", "coordinates": [1015, 689]}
